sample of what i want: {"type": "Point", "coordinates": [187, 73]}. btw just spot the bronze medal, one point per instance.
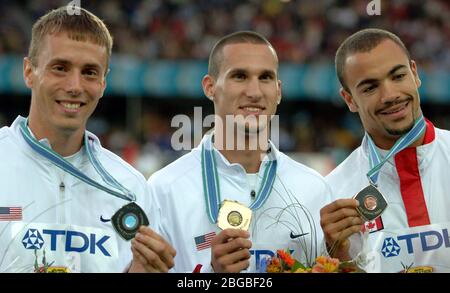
{"type": "Point", "coordinates": [371, 203]}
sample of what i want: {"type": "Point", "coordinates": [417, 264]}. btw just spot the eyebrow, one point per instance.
{"type": "Point", "coordinates": [245, 71]}
{"type": "Point", "coordinates": [372, 80]}
{"type": "Point", "coordinates": [269, 72]}
{"type": "Point", "coordinates": [59, 61]}
{"type": "Point", "coordinates": [397, 67]}
{"type": "Point", "coordinates": [237, 70]}
{"type": "Point", "coordinates": [67, 62]}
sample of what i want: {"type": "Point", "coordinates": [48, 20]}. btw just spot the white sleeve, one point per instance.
{"type": "Point", "coordinates": [207, 269]}
{"type": "Point", "coordinates": [155, 210]}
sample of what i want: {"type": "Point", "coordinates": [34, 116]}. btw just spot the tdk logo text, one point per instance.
{"type": "Point", "coordinates": [424, 241]}
{"type": "Point", "coordinates": [75, 241]}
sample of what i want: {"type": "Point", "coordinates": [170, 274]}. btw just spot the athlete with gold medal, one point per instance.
{"type": "Point", "coordinates": [217, 220]}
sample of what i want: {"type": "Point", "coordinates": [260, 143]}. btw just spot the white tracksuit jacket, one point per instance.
{"type": "Point", "coordinates": [178, 189]}
{"type": "Point", "coordinates": [61, 215]}
{"type": "Point", "coordinates": [411, 232]}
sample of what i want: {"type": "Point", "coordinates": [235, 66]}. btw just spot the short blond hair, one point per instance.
{"type": "Point", "coordinates": [84, 26]}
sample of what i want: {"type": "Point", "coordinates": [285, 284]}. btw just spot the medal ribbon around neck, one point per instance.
{"type": "Point", "coordinates": [211, 187]}
{"type": "Point", "coordinates": [63, 164]}
{"type": "Point", "coordinates": [377, 161]}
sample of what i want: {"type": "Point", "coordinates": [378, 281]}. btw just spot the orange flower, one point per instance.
{"type": "Point", "coordinates": [325, 264]}
{"type": "Point", "coordinates": [286, 258]}
{"type": "Point", "coordinates": [275, 261]}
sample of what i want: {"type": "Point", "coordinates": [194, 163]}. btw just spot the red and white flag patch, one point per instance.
{"type": "Point", "coordinates": [373, 226]}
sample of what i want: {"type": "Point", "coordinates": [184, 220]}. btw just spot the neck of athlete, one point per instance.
{"type": "Point", "coordinates": [387, 144]}
{"type": "Point", "coordinates": [250, 156]}
{"type": "Point", "coordinates": [63, 142]}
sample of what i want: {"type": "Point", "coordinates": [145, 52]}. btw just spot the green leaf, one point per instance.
{"type": "Point", "coordinates": [297, 265]}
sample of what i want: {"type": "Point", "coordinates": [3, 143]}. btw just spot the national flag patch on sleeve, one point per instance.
{"type": "Point", "coordinates": [204, 241]}
{"type": "Point", "coordinates": [373, 226]}
{"type": "Point", "coordinates": [10, 214]}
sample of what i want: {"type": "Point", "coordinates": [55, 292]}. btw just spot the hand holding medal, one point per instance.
{"type": "Point", "coordinates": [371, 201]}
{"type": "Point", "coordinates": [230, 249]}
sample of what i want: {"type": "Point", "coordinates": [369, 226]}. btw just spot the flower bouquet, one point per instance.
{"type": "Point", "coordinates": [285, 263]}
{"type": "Point", "coordinates": [305, 243]}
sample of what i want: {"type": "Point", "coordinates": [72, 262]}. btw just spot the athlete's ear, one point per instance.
{"type": "Point", "coordinates": [103, 83]}
{"type": "Point", "coordinates": [415, 73]}
{"type": "Point", "coordinates": [279, 95]}
{"type": "Point", "coordinates": [28, 72]}
{"type": "Point", "coordinates": [208, 85]}
{"type": "Point", "coordinates": [348, 99]}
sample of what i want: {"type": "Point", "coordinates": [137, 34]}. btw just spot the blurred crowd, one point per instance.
{"type": "Point", "coordinates": [301, 30]}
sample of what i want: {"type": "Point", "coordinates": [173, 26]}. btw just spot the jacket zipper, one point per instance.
{"type": "Point", "coordinates": [62, 188]}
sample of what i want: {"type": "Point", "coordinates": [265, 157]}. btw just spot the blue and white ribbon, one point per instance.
{"type": "Point", "coordinates": [63, 164]}
{"type": "Point", "coordinates": [211, 186]}
{"type": "Point", "coordinates": [376, 160]}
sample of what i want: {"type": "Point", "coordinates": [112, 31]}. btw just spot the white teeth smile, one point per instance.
{"type": "Point", "coordinates": [252, 109]}
{"type": "Point", "coordinates": [70, 105]}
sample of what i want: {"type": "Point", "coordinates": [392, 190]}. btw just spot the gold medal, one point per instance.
{"type": "Point", "coordinates": [234, 215]}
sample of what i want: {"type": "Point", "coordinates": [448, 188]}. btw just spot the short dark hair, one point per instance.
{"type": "Point", "coordinates": [84, 26]}
{"type": "Point", "coordinates": [216, 55]}
{"type": "Point", "coordinates": [360, 42]}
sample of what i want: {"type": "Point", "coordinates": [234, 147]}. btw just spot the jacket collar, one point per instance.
{"type": "Point", "coordinates": [424, 151]}
{"type": "Point", "coordinates": [79, 159]}
{"type": "Point", "coordinates": [224, 166]}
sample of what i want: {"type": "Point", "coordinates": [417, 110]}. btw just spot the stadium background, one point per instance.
{"type": "Point", "coordinates": [160, 55]}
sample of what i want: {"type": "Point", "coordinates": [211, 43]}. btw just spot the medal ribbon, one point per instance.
{"type": "Point", "coordinates": [377, 161]}
{"type": "Point", "coordinates": [63, 164]}
{"type": "Point", "coordinates": [211, 187]}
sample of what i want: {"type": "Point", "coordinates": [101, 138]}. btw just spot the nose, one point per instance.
{"type": "Point", "coordinates": [389, 92]}
{"type": "Point", "coordinates": [253, 89]}
{"type": "Point", "coordinates": [74, 83]}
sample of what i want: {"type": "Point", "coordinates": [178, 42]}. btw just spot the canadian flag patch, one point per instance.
{"type": "Point", "coordinates": [373, 226]}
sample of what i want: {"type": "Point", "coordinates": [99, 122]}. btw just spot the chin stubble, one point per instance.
{"type": "Point", "coordinates": [401, 131]}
